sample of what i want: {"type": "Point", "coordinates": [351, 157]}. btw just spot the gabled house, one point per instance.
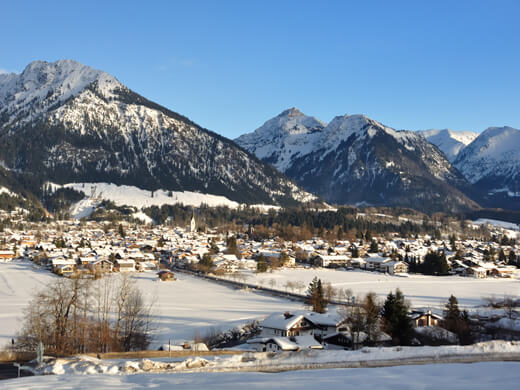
{"type": "Point", "coordinates": [64, 270]}
{"type": "Point", "coordinates": [100, 266]}
{"type": "Point", "coordinates": [425, 317]}
{"type": "Point", "coordinates": [286, 325]}
{"type": "Point", "coordinates": [332, 261]}
{"type": "Point", "coordinates": [280, 344]}
{"type": "Point", "coordinates": [127, 265]}
{"type": "Point", "coordinates": [395, 267]}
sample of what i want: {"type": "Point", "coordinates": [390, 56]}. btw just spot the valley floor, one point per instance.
{"type": "Point", "coordinates": [421, 290]}
{"type": "Point", "coordinates": [192, 305]}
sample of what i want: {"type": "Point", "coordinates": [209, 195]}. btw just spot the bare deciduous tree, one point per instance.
{"type": "Point", "coordinates": [84, 315]}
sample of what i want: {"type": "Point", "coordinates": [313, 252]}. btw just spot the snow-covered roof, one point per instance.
{"type": "Point", "coordinates": [284, 343]}
{"type": "Point", "coordinates": [281, 321]}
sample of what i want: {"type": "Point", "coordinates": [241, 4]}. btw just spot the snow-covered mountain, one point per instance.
{"type": "Point", "coordinates": [492, 163]}
{"type": "Point", "coordinates": [283, 138]}
{"type": "Point", "coordinates": [450, 142]}
{"type": "Point", "coordinates": [357, 160]}
{"type": "Point", "coordinates": [66, 122]}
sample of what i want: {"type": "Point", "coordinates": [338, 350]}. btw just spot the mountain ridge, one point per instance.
{"type": "Point", "coordinates": [492, 164]}
{"type": "Point", "coordinates": [71, 123]}
{"type": "Point", "coordinates": [357, 160]}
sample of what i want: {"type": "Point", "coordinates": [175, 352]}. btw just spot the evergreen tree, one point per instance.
{"type": "Point", "coordinates": [261, 264]}
{"type": "Point", "coordinates": [452, 311]}
{"type": "Point", "coordinates": [434, 264]}
{"type": "Point", "coordinates": [340, 233]}
{"type": "Point", "coordinates": [206, 262]}
{"type": "Point", "coordinates": [456, 321]}
{"type": "Point", "coordinates": [502, 256]}
{"type": "Point", "coordinates": [374, 248]}
{"type": "Point", "coordinates": [452, 243]}
{"type": "Point", "coordinates": [121, 231]}
{"type": "Point", "coordinates": [396, 319]}
{"type": "Point", "coordinates": [231, 247]}
{"type": "Point", "coordinates": [284, 258]}
{"type": "Point", "coordinates": [213, 248]}
{"type": "Point", "coordinates": [315, 297]}
{"type": "Point", "coordinates": [160, 242]}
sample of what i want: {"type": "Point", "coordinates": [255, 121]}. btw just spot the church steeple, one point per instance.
{"type": "Point", "coordinates": [193, 224]}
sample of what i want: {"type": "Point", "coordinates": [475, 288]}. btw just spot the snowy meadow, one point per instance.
{"type": "Point", "coordinates": [192, 306]}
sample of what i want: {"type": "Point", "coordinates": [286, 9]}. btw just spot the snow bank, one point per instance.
{"type": "Point", "coordinates": [265, 361]}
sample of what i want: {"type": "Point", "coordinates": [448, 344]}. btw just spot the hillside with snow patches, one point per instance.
{"type": "Point", "coordinates": [66, 122]}
{"type": "Point", "coordinates": [123, 195]}
{"type": "Point", "coordinates": [450, 142]}
{"type": "Point", "coordinates": [357, 160]}
{"type": "Point", "coordinates": [492, 163]}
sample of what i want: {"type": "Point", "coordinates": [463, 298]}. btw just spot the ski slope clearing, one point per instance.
{"type": "Point", "coordinates": [124, 195]}
{"type": "Point", "coordinates": [495, 222]}
{"type": "Point", "coordinates": [478, 376]}
{"type": "Point", "coordinates": [422, 290]}
{"type": "Point", "coordinates": [182, 308]}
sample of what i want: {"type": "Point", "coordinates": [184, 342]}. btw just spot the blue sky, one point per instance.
{"type": "Point", "coordinates": [231, 65]}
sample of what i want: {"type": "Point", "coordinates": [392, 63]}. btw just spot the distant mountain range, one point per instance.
{"type": "Point", "coordinates": [451, 142]}
{"type": "Point", "coordinates": [66, 122]}
{"type": "Point", "coordinates": [356, 160]}
{"type": "Point", "coordinates": [492, 164]}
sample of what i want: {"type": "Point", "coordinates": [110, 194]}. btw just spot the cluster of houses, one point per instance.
{"type": "Point", "coordinates": [67, 247]}
{"type": "Point", "coordinates": [300, 330]}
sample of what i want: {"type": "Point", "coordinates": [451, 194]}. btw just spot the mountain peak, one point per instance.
{"type": "Point", "coordinates": [498, 130]}
{"type": "Point", "coordinates": [291, 113]}
{"type": "Point", "coordinates": [44, 84]}
{"type": "Point", "coordinates": [283, 137]}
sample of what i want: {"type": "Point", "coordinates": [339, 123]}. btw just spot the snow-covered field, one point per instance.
{"type": "Point", "coordinates": [485, 376]}
{"type": "Point", "coordinates": [191, 305]}
{"type": "Point", "coordinates": [182, 308]}
{"type": "Point", "coordinates": [422, 290]}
